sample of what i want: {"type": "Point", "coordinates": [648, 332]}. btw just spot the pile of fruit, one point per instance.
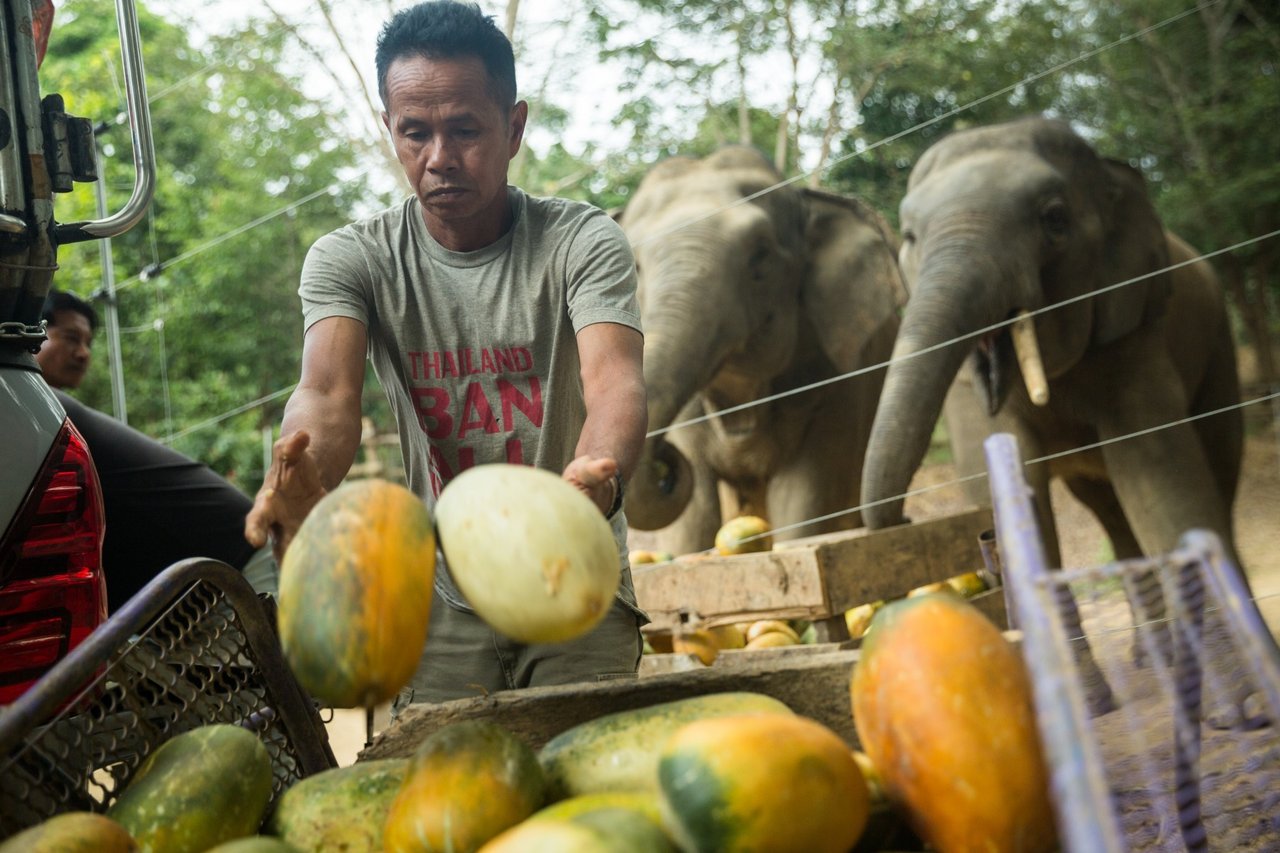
{"type": "Point", "coordinates": [940, 701]}
{"type": "Point", "coordinates": [941, 706]}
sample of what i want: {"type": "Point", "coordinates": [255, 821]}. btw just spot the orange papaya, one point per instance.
{"type": "Point", "coordinates": [943, 708]}
{"type": "Point", "coordinates": [782, 783]}
{"type": "Point", "coordinates": [355, 593]}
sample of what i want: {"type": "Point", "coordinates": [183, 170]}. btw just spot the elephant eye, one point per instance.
{"type": "Point", "coordinates": [1056, 219]}
{"type": "Point", "coordinates": [908, 236]}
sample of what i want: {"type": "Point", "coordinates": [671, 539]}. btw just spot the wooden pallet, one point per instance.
{"type": "Point", "coordinates": [817, 578]}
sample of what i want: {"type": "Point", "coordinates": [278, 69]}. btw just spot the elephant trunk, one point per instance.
{"type": "Point", "coordinates": [953, 297]}
{"type": "Point", "coordinates": [678, 361]}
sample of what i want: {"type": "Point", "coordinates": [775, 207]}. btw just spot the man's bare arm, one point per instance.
{"type": "Point", "coordinates": [319, 435]}
{"type": "Point", "coordinates": [612, 437]}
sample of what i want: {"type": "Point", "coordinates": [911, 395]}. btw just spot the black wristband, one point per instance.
{"type": "Point", "coordinates": [617, 498]}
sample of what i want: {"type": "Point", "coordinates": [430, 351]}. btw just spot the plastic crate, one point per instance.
{"type": "Point", "coordinates": [195, 646]}
{"type": "Point", "coordinates": [1137, 668]}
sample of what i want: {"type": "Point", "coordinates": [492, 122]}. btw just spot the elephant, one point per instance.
{"type": "Point", "coordinates": [748, 289]}
{"type": "Point", "coordinates": [1021, 216]}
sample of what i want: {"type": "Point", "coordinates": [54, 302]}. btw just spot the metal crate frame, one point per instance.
{"type": "Point", "coordinates": [195, 646]}
{"type": "Point", "coordinates": [1176, 596]}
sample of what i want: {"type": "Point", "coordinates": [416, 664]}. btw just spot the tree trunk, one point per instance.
{"type": "Point", "coordinates": [783, 141]}
{"type": "Point", "coordinates": [1250, 299]}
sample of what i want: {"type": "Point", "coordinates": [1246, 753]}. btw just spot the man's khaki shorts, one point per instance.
{"type": "Point", "coordinates": [465, 658]}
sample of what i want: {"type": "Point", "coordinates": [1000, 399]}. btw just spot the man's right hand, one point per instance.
{"type": "Point", "coordinates": [289, 491]}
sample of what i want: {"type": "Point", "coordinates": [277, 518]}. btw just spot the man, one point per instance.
{"type": "Point", "coordinates": [160, 506]}
{"type": "Point", "coordinates": [502, 327]}
{"type": "Point", "coordinates": [65, 354]}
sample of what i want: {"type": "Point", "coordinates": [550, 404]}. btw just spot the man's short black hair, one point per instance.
{"type": "Point", "coordinates": [60, 300]}
{"type": "Point", "coordinates": [448, 29]}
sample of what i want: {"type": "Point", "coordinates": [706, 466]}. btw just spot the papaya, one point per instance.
{"type": "Point", "coordinates": [199, 789]}
{"type": "Point", "coordinates": [72, 832]}
{"type": "Point", "coordinates": [466, 783]}
{"type": "Point", "coordinates": [929, 589]}
{"type": "Point", "coordinates": [603, 830]}
{"type": "Point", "coordinates": [773, 640]}
{"type": "Point", "coordinates": [255, 844]}
{"type": "Point", "coordinates": [355, 593]}
{"type": "Point", "coordinates": [761, 782]}
{"type": "Point", "coordinates": [746, 534]}
{"type": "Point", "coordinates": [728, 637]}
{"type": "Point", "coordinates": [943, 708]}
{"type": "Point", "coordinates": [619, 751]}
{"type": "Point", "coordinates": [858, 619]}
{"type": "Point", "coordinates": [968, 584]}
{"type": "Point", "coordinates": [698, 642]}
{"type": "Point", "coordinates": [342, 809]}
{"type": "Point", "coordinates": [642, 557]}
{"type": "Point", "coordinates": [532, 554]}
{"type": "Point", "coordinates": [764, 626]}
{"type": "Point", "coordinates": [870, 775]}
{"type": "Point", "coordinates": [644, 802]}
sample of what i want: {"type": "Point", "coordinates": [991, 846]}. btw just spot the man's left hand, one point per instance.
{"type": "Point", "coordinates": [593, 476]}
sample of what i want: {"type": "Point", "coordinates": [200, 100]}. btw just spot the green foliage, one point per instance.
{"type": "Point", "coordinates": [236, 143]}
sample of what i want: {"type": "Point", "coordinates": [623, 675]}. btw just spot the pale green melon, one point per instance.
{"type": "Point", "coordinates": [533, 555]}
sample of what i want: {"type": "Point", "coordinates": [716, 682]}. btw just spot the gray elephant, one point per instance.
{"type": "Point", "coordinates": [743, 294]}
{"type": "Point", "coordinates": [1015, 217]}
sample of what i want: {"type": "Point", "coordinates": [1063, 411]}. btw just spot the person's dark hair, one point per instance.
{"type": "Point", "coordinates": [448, 29]}
{"type": "Point", "coordinates": [60, 300]}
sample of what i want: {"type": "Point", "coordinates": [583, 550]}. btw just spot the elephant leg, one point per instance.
{"type": "Point", "coordinates": [1222, 435]}
{"type": "Point", "coordinates": [1166, 484]}
{"type": "Point", "coordinates": [968, 425]}
{"type": "Point", "coordinates": [1100, 498]}
{"type": "Point", "coordinates": [823, 475]}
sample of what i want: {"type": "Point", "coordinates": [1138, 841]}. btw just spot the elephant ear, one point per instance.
{"type": "Point", "coordinates": [852, 286]}
{"type": "Point", "coordinates": [1134, 245]}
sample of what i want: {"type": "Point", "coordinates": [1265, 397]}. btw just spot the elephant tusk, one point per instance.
{"type": "Point", "coordinates": [1023, 333]}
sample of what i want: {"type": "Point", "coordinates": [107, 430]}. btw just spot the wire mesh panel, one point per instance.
{"type": "Point", "coordinates": [194, 647]}
{"type": "Point", "coordinates": [1157, 689]}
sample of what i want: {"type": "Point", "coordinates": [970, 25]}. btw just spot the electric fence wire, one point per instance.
{"type": "Point", "coordinates": [155, 269]}
{"type": "Point", "coordinates": [862, 152]}
{"type": "Point", "coordinates": [982, 474]}
{"type": "Point", "coordinates": [1039, 75]}
{"type": "Point", "coordinates": [728, 410]}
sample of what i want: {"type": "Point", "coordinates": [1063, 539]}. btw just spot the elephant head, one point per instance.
{"type": "Point", "coordinates": [998, 221]}
{"type": "Point", "coordinates": [736, 276]}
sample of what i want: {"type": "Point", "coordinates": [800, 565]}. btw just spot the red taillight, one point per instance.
{"type": "Point", "coordinates": [54, 593]}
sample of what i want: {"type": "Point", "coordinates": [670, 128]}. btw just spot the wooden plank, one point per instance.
{"type": "Point", "coordinates": [813, 578]}
{"type": "Point", "coordinates": [815, 685]}
{"type": "Point", "coordinates": [885, 564]}
{"type": "Point", "coordinates": [740, 588]}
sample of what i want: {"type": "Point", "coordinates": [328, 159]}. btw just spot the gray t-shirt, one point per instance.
{"type": "Point", "coordinates": [477, 351]}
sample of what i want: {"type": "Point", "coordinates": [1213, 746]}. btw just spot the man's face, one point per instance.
{"type": "Point", "coordinates": [64, 356]}
{"type": "Point", "coordinates": [454, 141]}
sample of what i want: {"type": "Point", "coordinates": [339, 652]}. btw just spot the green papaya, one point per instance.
{"type": "Point", "coordinates": [72, 832]}
{"type": "Point", "coordinates": [339, 810]}
{"type": "Point", "coordinates": [619, 752]}
{"type": "Point", "coordinates": [199, 789]}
